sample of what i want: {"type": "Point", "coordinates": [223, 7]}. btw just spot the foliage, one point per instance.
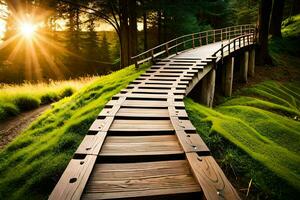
{"type": "Point", "coordinates": [31, 165]}
{"type": "Point", "coordinates": [263, 121]}
{"type": "Point", "coordinates": [17, 98]}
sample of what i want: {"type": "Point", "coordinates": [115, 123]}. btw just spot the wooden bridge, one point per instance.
{"type": "Point", "coordinates": [142, 145]}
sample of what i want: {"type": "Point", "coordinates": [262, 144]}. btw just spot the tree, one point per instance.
{"type": "Point", "coordinates": [263, 32]}
{"type": "Point", "coordinates": [276, 19]}
{"type": "Point", "coordinates": [104, 50]}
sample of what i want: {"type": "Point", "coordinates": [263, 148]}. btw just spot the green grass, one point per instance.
{"type": "Point", "coordinates": [262, 121]}
{"type": "Point", "coordinates": [31, 165]}
{"type": "Point", "coordinates": [256, 133]}
{"type": "Point", "coordinates": [17, 98]}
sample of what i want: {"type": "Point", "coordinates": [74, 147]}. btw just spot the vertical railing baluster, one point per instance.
{"type": "Point", "coordinates": [193, 41]}
{"type": "Point", "coordinates": [200, 40]}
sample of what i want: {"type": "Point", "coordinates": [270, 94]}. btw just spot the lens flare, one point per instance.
{"type": "Point", "coordinates": [27, 29]}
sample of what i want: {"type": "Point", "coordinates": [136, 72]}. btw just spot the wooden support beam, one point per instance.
{"type": "Point", "coordinates": [229, 66]}
{"type": "Point", "coordinates": [244, 66]}
{"type": "Point", "coordinates": [208, 88]}
{"type": "Point", "coordinates": [252, 62]}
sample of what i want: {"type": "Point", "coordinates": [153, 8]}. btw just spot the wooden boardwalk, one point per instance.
{"type": "Point", "coordinates": [143, 146]}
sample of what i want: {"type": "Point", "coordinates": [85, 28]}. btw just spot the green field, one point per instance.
{"type": "Point", "coordinates": [16, 98]}
{"type": "Point", "coordinates": [31, 165]}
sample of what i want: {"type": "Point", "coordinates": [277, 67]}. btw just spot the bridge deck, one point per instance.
{"type": "Point", "coordinates": [142, 145]}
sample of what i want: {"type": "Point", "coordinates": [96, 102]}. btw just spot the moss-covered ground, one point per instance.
{"type": "Point", "coordinates": [31, 165]}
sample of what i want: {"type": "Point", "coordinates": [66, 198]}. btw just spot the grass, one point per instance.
{"type": "Point", "coordinates": [31, 165]}
{"type": "Point", "coordinates": [256, 133]}
{"type": "Point", "coordinates": [264, 122]}
{"type": "Point", "coordinates": [18, 98]}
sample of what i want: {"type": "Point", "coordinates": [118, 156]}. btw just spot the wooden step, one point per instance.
{"type": "Point", "coordinates": [149, 180]}
{"type": "Point", "coordinates": [141, 145]}
{"type": "Point", "coordinates": [143, 112]}
{"type": "Point", "coordinates": [141, 125]}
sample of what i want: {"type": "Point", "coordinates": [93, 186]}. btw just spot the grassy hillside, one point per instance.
{"type": "Point", "coordinates": [264, 122]}
{"type": "Point", "coordinates": [256, 133]}
{"type": "Point", "coordinates": [15, 98]}
{"type": "Point", "coordinates": [31, 165]}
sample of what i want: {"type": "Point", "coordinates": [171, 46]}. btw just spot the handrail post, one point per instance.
{"type": "Point", "coordinates": [193, 41]}
{"type": "Point", "coordinates": [136, 63]}
{"type": "Point", "coordinates": [239, 42]}
{"type": "Point", "coordinates": [244, 42]}
{"type": "Point", "coordinates": [214, 36]}
{"type": "Point", "coordinates": [234, 44]}
{"type": "Point", "coordinates": [222, 51]}
{"type": "Point", "coordinates": [241, 30]}
{"type": "Point", "coordinates": [229, 48]}
{"type": "Point", "coordinates": [206, 37]}
{"type": "Point", "coordinates": [167, 49]}
{"type": "Point", "coordinates": [221, 34]}
{"type": "Point", "coordinates": [200, 40]}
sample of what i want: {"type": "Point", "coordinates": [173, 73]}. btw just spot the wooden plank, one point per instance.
{"type": "Point", "coordinates": [141, 125]}
{"type": "Point", "coordinates": [73, 181]}
{"type": "Point", "coordinates": [128, 180]}
{"type": "Point", "coordinates": [102, 124]}
{"type": "Point", "coordinates": [141, 145]}
{"type": "Point", "coordinates": [192, 142]}
{"type": "Point", "coordinates": [91, 144]}
{"type": "Point", "coordinates": [211, 178]}
{"type": "Point", "coordinates": [143, 112]}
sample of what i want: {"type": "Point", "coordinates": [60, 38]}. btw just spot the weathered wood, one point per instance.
{"type": "Point", "coordinates": [252, 62]}
{"type": "Point", "coordinates": [141, 145]}
{"type": "Point", "coordinates": [73, 181]}
{"type": "Point", "coordinates": [208, 88]}
{"type": "Point", "coordinates": [128, 180]}
{"type": "Point", "coordinates": [244, 66]}
{"type": "Point", "coordinates": [212, 180]}
{"type": "Point", "coordinates": [229, 66]}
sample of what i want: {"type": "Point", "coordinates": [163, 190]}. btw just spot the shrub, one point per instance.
{"type": "Point", "coordinates": [7, 109]}
{"type": "Point", "coordinates": [26, 102]}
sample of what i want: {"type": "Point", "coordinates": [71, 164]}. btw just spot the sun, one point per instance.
{"type": "Point", "coordinates": [27, 29]}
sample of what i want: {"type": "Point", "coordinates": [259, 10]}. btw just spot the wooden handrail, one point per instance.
{"type": "Point", "coordinates": [209, 36]}
{"type": "Point", "coordinates": [241, 42]}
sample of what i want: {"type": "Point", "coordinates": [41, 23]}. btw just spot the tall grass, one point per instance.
{"type": "Point", "coordinates": [17, 98]}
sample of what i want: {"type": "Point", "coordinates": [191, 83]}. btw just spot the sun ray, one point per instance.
{"type": "Point", "coordinates": [53, 66]}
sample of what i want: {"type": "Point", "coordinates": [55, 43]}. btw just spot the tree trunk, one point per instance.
{"type": "Point", "coordinates": [132, 29]}
{"type": "Point", "coordinates": [276, 19]}
{"type": "Point", "coordinates": [263, 32]}
{"type": "Point", "coordinates": [124, 33]}
{"type": "Point", "coordinates": [145, 30]}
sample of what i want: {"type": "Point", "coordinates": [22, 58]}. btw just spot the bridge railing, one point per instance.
{"type": "Point", "coordinates": [234, 44]}
{"type": "Point", "coordinates": [191, 41]}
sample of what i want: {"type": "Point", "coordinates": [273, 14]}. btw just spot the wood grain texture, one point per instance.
{"type": "Point", "coordinates": [141, 145]}
{"type": "Point", "coordinates": [109, 181]}
{"type": "Point", "coordinates": [73, 181]}
{"type": "Point", "coordinates": [211, 178]}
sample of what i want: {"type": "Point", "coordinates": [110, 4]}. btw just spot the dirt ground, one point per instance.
{"type": "Point", "coordinates": [15, 125]}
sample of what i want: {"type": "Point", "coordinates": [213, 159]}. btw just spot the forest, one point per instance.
{"type": "Point", "coordinates": [66, 65]}
{"type": "Point", "coordinates": [86, 37]}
